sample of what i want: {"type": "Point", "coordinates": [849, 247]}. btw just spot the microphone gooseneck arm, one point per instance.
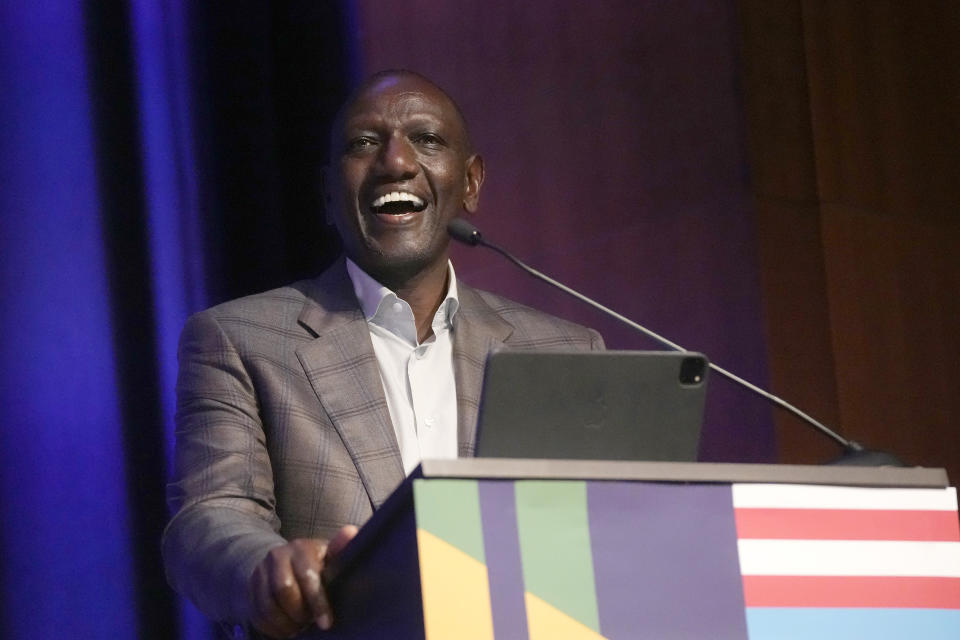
{"type": "Point", "coordinates": [466, 233]}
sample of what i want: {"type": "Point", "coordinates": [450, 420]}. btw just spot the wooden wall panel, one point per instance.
{"type": "Point", "coordinates": [784, 185]}
{"type": "Point", "coordinates": [883, 110]}
{"type": "Point", "coordinates": [884, 82]}
{"type": "Point", "coordinates": [894, 288]}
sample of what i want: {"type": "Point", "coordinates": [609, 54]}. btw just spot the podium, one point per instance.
{"type": "Point", "coordinates": [548, 549]}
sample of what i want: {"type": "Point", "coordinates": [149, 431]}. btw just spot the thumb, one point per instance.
{"type": "Point", "coordinates": [341, 540]}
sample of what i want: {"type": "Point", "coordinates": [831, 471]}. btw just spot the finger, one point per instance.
{"type": "Point", "coordinates": [267, 616]}
{"type": "Point", "coordinates": [287, 593]}
{"type": "Point", "coordinates": [307, 568]}
{"type": "Point", "coordinates": [343, 537]}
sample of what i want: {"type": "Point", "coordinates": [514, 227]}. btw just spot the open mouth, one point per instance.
{"type": "Point", "coordinates": [398, 203]}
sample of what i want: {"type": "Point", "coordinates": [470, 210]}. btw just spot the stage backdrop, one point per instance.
{"type": "Point", "coordinates": [614, 145]}
{"type": "Point", "coordinates": [160, 156]}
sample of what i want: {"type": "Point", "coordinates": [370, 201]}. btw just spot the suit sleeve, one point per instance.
{"type": "Point", "coordinates": [221, 492]}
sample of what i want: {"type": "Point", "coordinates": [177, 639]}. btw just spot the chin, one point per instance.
{"type": "Point", "coordinates": [392, 267]}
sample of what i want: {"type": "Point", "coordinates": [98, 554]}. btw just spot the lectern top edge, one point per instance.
{"type": "Point", "coordinates": [517, 469]}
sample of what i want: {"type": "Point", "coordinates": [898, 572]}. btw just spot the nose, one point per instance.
{"type": "Point", "coordinates": [397, 158]}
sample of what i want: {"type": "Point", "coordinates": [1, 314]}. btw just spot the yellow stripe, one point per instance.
{"type": "Point", "coordinates": [456, 592]}
{"type": "Point", "coordinates": [546, 622]}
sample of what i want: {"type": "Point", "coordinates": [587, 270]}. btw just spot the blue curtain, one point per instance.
{"type": "Point", "coordinates": [155, 157]}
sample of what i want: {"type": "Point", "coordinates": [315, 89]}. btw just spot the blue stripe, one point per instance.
{"type": "Point", "coordinates": [783, 623]}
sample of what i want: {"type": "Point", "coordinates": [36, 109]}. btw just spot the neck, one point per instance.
{"type": "Point", "coordinates": [423, 291]}
{"type": "Point", "coordinates": [424, 295]}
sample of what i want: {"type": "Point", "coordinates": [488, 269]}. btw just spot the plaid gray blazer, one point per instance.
{"type": "Point", "coordinates": [283, 429]}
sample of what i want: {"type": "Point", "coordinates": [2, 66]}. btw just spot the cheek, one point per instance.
{"type": "Point", "coordinates": [352, 175]}
{"type": "Point", "coordinates": [347, 205]}
{"type": "Point", "coordinates": [447, 180]}
{"type": "Point", "coordinates": [342, 210]}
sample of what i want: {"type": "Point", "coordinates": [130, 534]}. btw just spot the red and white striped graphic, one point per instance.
{"type": "Point", "coordinates": [822, 546]}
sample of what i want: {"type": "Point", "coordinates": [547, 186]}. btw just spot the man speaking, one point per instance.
{"type": "Point", "coordinates": [300, 410]}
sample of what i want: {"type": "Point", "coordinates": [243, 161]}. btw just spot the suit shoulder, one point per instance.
{"type": "Point", "coordinates": [275, 310]}
{"type": "Point", "coordinates": [538, 329]}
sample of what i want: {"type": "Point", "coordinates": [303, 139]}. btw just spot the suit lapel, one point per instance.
{"type": "Point", "coordinates": [478, 331]}
{"type": "Point", "coordinates": [342, 368]}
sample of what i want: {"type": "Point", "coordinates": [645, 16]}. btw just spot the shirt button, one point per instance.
{"type": "Point", "coordinates": [397, 307]}
{"type": "Point", "coordinates": [428, 422]}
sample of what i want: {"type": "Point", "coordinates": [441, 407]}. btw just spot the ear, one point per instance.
{"type": "Point", "coordinates": [474, 180]}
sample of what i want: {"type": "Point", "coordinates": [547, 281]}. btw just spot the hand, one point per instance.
{"type": "Point", "coordinates": [286, 594]}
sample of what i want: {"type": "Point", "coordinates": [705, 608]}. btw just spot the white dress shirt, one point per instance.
{"type": "Point", "coordinates": [417, 378]}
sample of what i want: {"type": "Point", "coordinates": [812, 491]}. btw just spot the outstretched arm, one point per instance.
{"type": "Point", "coordinates": [222, 547]}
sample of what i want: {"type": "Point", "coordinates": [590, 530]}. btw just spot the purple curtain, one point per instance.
{"type": "Point", "coordinates": [614, 139]}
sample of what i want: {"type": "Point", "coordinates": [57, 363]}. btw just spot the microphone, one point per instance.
{"type": "Point", "coordinates": [854, 453]}
{"type": "Point", "coordinates": [464, 231]}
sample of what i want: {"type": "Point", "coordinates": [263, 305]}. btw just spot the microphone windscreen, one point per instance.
{"type": "Point", "coordinates": [464, 231]}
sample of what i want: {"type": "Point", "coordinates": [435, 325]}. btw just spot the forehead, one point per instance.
{"type": "Point", "coordinates": [398, 100]}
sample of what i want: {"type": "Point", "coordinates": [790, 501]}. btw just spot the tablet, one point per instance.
{"type": "Point", "coordinates": [594, 405]}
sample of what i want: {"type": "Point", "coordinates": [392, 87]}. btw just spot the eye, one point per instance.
{"type": "Point", "coordinates": [429, 139]}
{"type": "Point", "coordinates": [359, 143]}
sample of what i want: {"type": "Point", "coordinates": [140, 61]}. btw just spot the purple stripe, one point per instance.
{"type": "Point", "coordinates": [665, 561]}
{"type": "Point", "coordinates": [498, 513]}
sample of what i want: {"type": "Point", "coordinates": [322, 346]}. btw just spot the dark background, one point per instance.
{"type": "Point", "coordinates": [772, 182]}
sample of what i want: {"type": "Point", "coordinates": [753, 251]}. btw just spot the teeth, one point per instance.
{"type": "Point", "coordinates": [397, 196]}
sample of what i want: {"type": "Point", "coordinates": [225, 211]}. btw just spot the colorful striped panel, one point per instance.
{"type": "Point", "coordinates": [619, 560]}
{"type": "Point", "coordinates": [839, 562]}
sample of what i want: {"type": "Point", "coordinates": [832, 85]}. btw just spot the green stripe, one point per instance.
{"type": "Point", "coordinates": [450, 510]}
{"type": "Point", "coordinates": [555, 546]}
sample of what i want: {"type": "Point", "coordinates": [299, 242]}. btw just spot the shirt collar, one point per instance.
{"type": "Point", "coordinates": [373, 297]}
